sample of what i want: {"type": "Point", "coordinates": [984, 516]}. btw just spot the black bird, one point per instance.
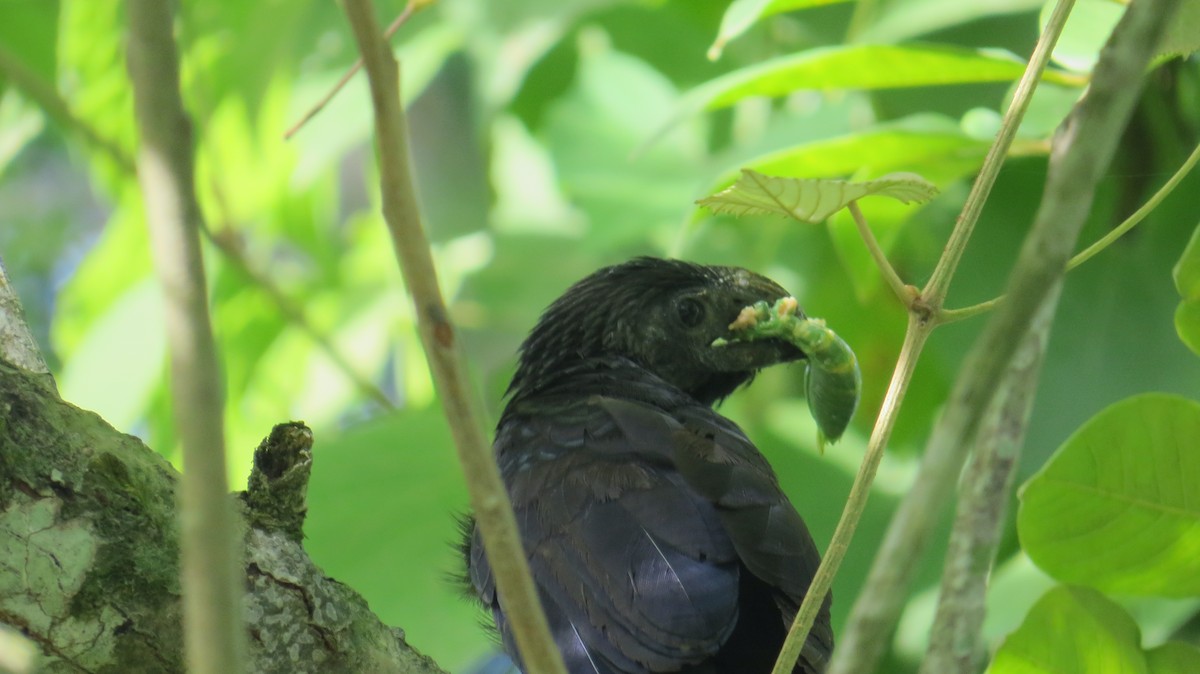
{"type": "Point", "coordinates": [658, 535]}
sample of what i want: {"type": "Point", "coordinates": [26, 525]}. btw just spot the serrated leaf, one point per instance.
{"type": "Point", "coordinates": [809, 199]}
{"type": "Point", "coordinates": [742, 14]}
{"type": "Point", "coordinates": [1115, 507]}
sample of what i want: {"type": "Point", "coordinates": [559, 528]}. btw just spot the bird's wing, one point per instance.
{"type": "Point", "coordinates": [719, 462]}
{"type": "Point", "coordinates": [634, 567]}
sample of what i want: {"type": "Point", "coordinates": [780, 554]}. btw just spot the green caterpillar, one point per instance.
{"type": "Point", "coordinates": [833, 381]}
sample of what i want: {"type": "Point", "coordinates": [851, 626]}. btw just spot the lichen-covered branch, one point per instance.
{"type": "Point", "coordinates": [89, 564]}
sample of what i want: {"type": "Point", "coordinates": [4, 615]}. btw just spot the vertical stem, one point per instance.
{"type": "Point", "coordinates": [914, 341]}
{"type": "Point", "coordinates": [939, 282]}
{"type": "Point", "coordinates": [1082, 149]}
{"type": "Point", "coordinates": [493, 511]}
{"type": "Point", "coordinates": [211, 566]}
{"type": "Point", "coordinates": [955, 645]}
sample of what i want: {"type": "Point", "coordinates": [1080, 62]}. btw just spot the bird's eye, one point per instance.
{"type": "Point", "coordinates": [691, 311]}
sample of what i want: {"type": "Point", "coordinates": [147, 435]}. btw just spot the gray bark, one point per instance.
{"type": "Point", "coordinates": [89, 551]}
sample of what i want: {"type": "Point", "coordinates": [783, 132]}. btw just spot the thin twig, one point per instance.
{"type": "Point", "coordinates": [41, 92]}
{"type": "Point", "coordinates": [412, 7]}
{"type": "Point", "coordinates": [1138, 215]}
{"type": "Point", "coordinates": [905, 293]}
{"type": "Point", "coordinates": [955, 644]}
{"type": "Point", "coordinates": [294, 313]}
{"type": "Point", "coordinates": [914, 341]}
{"type": "Point", "coordinates": [214, 635]}
{"type": "Point", "coordinates": [952, 315]}
{"type": "Point", "coordinates": [493, 511]}
{"type": "Point", "coordinates": [921, 309]}
{"type": "Point", "coordinates": [935, 290]}
{"type": "Point", "coordinates": [1082, 149]}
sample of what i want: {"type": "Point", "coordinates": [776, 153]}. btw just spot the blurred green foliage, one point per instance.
{"type": "Point", "coordinates": [552, 137]}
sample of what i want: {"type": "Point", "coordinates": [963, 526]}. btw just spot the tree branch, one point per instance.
{"type": "Point", "coordinates": [90, 561]}
{"type": "Point", "coordinates": [1082, 149]}
{"type": "Point", "coordinates": [493, 511]}
{"type": "Point", "coordinates": [955, 645]}
{"type": "Point", "coordinates": [211, 556]}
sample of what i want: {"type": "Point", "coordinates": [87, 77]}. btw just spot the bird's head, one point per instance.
{"type": "Point", "coordinates": [661, 314]}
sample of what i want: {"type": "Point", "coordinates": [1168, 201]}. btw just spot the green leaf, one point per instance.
{"type": "Point", "coordinates": [1173, 657]}
{"type": "Point", "coordinates": [880, 150]}
{"type": "Point", "coordinates": [855, 67]}
{"type": "Point", "coordinates": [592, 133]}
{"type": "Point", "coordinates": [1187, 271]}
{"type": "Point", "coordinates": [1115, 508]}
{"type": "Point", "coordinates": [28, 34]}
{"type": "Point", "coordinates": [382, 505]}
{"type": "Point", "coordinates": [1187, 324]}
{"type": "Point", "coordinates": [808, 199]}
{"type": "Point", "coordinates": [1087, 29]}
{"type": "Point", "coordinates": [1187, 282]}
{"type": "Point", "coordinates": [898, 21]}
{"type": "Point", "coordinates": [866, 67]}
{"type": "Point", "coordinates": [1183, 32]}
{"type": "Point", "coordinates": [1072, 630]}
{"type": "Point", "coordinates": [742, 14]}
{"type": "Point", "coordinates": [127, 344]}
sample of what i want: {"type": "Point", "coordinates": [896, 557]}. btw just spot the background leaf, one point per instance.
{"type": "Point", "coordinates": [1187, 282]}
{"type": "Point", "coordinates": [742, 14]}
{"type": "Point", "coordinates": [1116, 507]}
{"type": "Point", "coordinates": [1072, 630]}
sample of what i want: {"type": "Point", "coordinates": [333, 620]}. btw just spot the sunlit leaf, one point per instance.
{"type": "Point", "coordinates": [1115, 507]}
{"type": "Point", "coordinates": [868, 67]}
{"type": "Point", "coordinates": [91, 54]}
{"type": "Point", "coordinates": [1072, 630]}
{"type": "Point", "coordinates": [856, 67]}
{"type": "Point", "coordinates": [909, 144]}
{"type": "Point", "coordinates": [811, 200]}
{"type": "Point", "coordinates": [1187, 282]}
{"type": "Point", "coordinates": [742, 14]}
